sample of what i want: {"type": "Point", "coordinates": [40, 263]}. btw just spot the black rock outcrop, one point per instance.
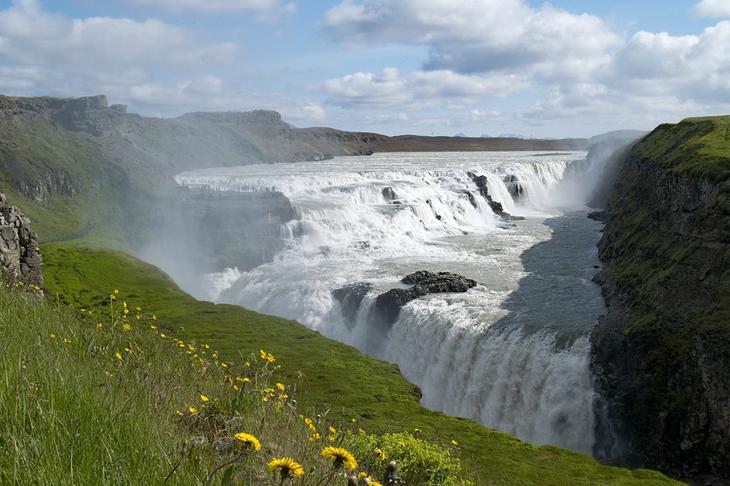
{"type": "Point", "coordinates": [350, 298]}
{"type": "Point", "coordinates": [389, 304]}
{"type": "Point", "coordinates": [482, 184]}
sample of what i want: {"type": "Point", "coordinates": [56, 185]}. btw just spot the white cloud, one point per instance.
{"type": "Point", "coordinates": [476, 36]}
{"type": "Point", "coordinates": [29, 35]}
{"type": "Point", "coordinates": [276, 6]}
{"type": "Point", "coordinates": [419, 88]}
{"type": "Point", "coordinates": [713, 8]}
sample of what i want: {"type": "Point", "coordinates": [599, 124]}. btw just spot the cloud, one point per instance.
{"type": "Point", "coordinates": [276, 6]}
{"type": "Point", "coordinates": [418, 88]}
{"type": "Point", "coordinates": [713, 8]}
{"type": "Point", "coordinates": [478, 36]}
{"type": "Point", "coordinates": [573, 67]}
{"type": "Point", "coordinates": [31, 36]}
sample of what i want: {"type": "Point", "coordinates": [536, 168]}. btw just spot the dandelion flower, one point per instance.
{"type": "Point", "coordinates": [178, 413]}
{"type": "Point", "coordinates": [116, 292]}
{"type": "Point", "coordinates": [286, 466]}
{"type": "Point", "coordinates": [118, 356]}
{"type": "Point", "coordinates": [340, 457]}
{"type": "Point", "coordinates": [192, 410]}
{"type": "Point", "coordinates": [379, 452]}
{"type": "Point", "coordinates": [249, 440]}
{"type": "Point", "coordinates": [204, 399]}
{"type": "Point", "coordinates": [280, 386]}
{"type": "Point", "coordinates": [127, 327]}
{"type": "Point", "coordinates": [453, 442]}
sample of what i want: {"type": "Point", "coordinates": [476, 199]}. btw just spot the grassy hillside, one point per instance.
{"type": "Point", "coordinates": [333, 376]}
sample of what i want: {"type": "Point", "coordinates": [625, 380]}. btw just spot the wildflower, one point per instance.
{"type": "Point", "coordinates": [315, 437]}
{"type": "Point", "coordinates": [249, 440]}
{"type": "Point", "coordinates": [66, 341]}
{"type": "Point", "coordinates": [379, 452]}
{"type": "Point", "coordinates": [204, 399]}
{"type": "Point", "coordinates": [116, 292]}
{"type": "Point", "coordinates": [280, 386]}
{"type": "Point", "coordinates": [138, 309]}
{"type": "Point", "coordinates": [162, 335]}
{"type": "Point", "coordinates": [192, 410]}
{"type": "Point", "coordinates": [340, 457]}
{"type": "Point", "coordinates": [153, 327]}
{"type": "Point", "coordinates": [127, 327]}
{"type": "Point", "coordinates": [178, 413]}
{"type": "Point", "coordinates": [453, 442]}
{"type": "Point", "coordinates": [52, 336]}
{"type": "Point", "coordinates": [417, 430]}
{"type": "Point", "coordinates": [99, 325]}
{"type": "Point", "coordinates": [286, 466]}
{"type": "Point", "coordinates": [118, 356]}
{"type": "Point", "coordinates": [332, 430]}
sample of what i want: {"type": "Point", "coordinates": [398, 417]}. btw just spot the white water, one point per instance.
{"type": "Point", "coordinates": [513, 351]}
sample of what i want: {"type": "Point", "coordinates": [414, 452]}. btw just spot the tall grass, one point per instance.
{"type": "Point", "coordinates": [111, 396]}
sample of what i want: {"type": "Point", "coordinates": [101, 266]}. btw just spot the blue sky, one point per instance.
{"type": "Point", "coordinates": [564, 68]}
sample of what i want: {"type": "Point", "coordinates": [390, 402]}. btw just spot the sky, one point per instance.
{"type": "Point", "coordinates": [568, 68]}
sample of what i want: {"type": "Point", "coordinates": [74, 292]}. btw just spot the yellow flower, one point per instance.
{"type": "Point", "coordinates": [362, 475]}
{"type": "Point", "coordinates": [286, 466]}
{"type": "Point", "coordinates": [280, 386]}
{"type": "Point", "coordinates": [315, 437]}
{"type": "Point", "coordinates": [340, 457]}
{"type": "Point", "coordinates": [116, 292]}
{"type": "Point", "coordinates": [162, 335]}
{"type": "Point", "coordinates": [118, 356]}
{"type": "Point", "coordinates": [178, 413]}
{"type": "Point", "coordinates": [453, 442]}
{"type": "Point", "coordinates": [127, 327]}
{"type": "Point", "coordinates": [332, 429]}
{"type": "Point", "coordinates": [379, 452]}
{"type": "Point", "coordinates": [375, 483]}
{"type": "Point", "coordinates": [192, 410]}
{"type": "Point", "coordinates": [204, 399]}
{"type": "Point", "coordinates": [248, 439]}
{"type": "Point", "coordinates": [99, 325]}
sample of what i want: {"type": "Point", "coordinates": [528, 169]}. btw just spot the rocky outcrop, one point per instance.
{"type": "Point", "coordinates": [20, 257]}
{"type": "Point", "coordinates": [661, 355]}
{"type": "Point", "coordinates": [389, 304]}
{"type": "Point", "coordinates": [482, 184]}
{"type": "Point", "coordinates": [350, 298]}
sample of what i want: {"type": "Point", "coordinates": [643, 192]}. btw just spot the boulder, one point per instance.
{"type": "Point", "coordinates": [350, 298]}
{"type": "Point", "coordinates": [389, 194]}
{"type": "Point", "coordinates": [20, 257]}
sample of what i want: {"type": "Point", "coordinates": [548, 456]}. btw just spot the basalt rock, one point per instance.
{"type": "Point", "coordinates": [389, 194]}
{"type": "Point", "coordinates": [482, 184]}
{"type": "Point", "coordinates": [515, 188]}
{"type": "Point", "coordinates": [20, 257]}
{"type": "Point", "coordinates": [389, 304]}
{"type": "Point", "coordinates": [350, 298]}
{"type": "Point", "coordinates": [660, 357]}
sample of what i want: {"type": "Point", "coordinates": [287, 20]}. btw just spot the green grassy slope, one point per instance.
{"type": "Point", "coordinates": [334, 375]}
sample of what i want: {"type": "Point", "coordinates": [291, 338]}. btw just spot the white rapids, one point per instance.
{"type": "Point", "coordinates": [513, 352]}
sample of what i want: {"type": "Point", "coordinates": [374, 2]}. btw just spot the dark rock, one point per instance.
{"type": "Point", "coordinates": [389, 194]}
{"type": "Point", "coordinates": [472, 199]}
{"type": "Point", "coordinates": [388, 304]}
{"type": "Point", "coordinates": [497, 208]}
{"type": "Point", "coordinates": [515, 188]}
{"type": "Point", "coordinates": [601, 216]}
{"type": "Point", "coordinates": [350, 298]}
{"type": "Point", "coordinates": [439, 282]}
{"type": "Point", "coordinates": [20, 257]}
{"type": "Point", "coordinates": [661, 355]}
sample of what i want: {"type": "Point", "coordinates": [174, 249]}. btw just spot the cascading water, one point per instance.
{"type": "Point", "coordinates": [511, 352]}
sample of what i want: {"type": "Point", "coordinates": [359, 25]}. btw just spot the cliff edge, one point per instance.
{"type": "Point", "coordinates": [661, 356]}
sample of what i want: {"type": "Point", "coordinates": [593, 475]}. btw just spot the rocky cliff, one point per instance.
{"type": "Point", "coordinates": [661, 357]}
{"type": "Point", "coordinates": [20, 258]}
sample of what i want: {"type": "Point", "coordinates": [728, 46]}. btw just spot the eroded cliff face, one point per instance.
{"type": "Point", "coordinates": [661, 357]}
{"type": "Point", "coordinates": [20, 258]}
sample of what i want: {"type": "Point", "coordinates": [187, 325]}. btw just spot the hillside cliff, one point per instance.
{"type": "Point", "coordinates": [662, 354]}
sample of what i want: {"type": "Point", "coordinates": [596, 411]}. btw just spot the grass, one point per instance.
{"type": "Point", "coordinates": [332, 377]}
{"type": "Point", "coordinates": [103, 398]}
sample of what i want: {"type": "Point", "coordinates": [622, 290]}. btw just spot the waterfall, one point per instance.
{"type": "Point", "coordinates": [504, 353]}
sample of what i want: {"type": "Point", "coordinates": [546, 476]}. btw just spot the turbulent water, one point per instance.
{"type": "Point", "coordinates": [512, 352]}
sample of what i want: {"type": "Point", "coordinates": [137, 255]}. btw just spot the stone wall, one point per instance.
{"type": "Point", "coordinates": [20, 257]}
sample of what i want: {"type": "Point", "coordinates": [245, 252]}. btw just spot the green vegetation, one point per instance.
{"type": "Point", "coordinates": [699, 146]}
{"type": "Point", "coordinates": [108, 397]}
{"type": "Point", "coordinates": [329, 376]}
